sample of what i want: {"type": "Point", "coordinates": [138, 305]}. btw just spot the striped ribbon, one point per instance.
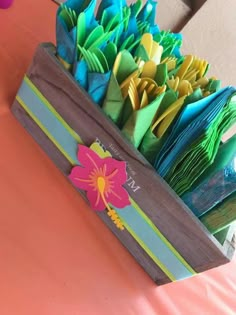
{"type": "Point", "coordinates": [142, 229]}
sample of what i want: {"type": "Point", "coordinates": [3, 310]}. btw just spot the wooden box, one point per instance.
{"type": "Point", "coordinates": [162, 234]}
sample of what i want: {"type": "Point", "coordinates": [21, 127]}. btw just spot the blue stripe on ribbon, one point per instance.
{"type": "Point", "coordinates": [50, 122]}
{"type": "Point", "coordinates": [131, 216]}
{"type": "Point", "coordinates": [152, 241]}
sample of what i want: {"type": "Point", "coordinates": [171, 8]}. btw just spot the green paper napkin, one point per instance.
{"type": "Point", "coordinates": [113, 103]}
{"type": "Point", "coordinates": [140, 120]}
{"type": "Point", "coordinates": [126, 112]}
{"type": "Point", "coordinates": [161, 74]}
{"type": "Point", "coordinates": [66, 27]}
{"type": "Point", "coordinates": [123, 67]}
{"type": "Point", "coordinates": [169, 98]}
{"type": "Point", "coordinates": [221, 216]}
{"type": "Point", "coordinates": [210, 107]}
{"type": "Point", "coordinates": [151, 144]}
{"type": "Point", "coordinates": [213, 86]}
{"type": "Point", "coordinates": [141, 53]}
{"type": "Point", "coordinates": [225, 153]}
{"type": "Point", "coordinates": [201, 154]}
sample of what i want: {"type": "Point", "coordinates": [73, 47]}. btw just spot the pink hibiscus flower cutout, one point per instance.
{"type": "Point", "coordinates": [101, 178]}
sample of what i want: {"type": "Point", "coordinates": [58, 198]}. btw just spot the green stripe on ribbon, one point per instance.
{"type": "Point", "coordinates": [42, 127]}
{"type": "Point", "coordinates": [149, 252]}
{"type": "Point", "coordinates": [143, 230]}
{"type": "Point", "coordinates": [168, 244]}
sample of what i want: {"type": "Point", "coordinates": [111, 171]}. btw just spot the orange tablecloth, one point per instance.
{"type": "Point", "coordinates": [57, 257]}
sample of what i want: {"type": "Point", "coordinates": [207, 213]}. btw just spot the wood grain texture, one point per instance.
{"type": "Point", "coordinates": [40, 137]}
{"type": "Point", "coordinates": [63, 164]}
{"type": "Point", "coordinates": [160, 203]}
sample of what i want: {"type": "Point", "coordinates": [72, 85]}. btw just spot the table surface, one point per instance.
{"type": "Point", "coordinates": [57, 257]}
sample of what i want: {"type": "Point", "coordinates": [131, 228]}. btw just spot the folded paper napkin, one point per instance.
{"type": "Point", "coordinates": [199, 142]}
{"type": "Point", "coordinates": [221, 216]}
{"type": "Point", "coordinates": [216, 183]}
{"type": "Point", "coordinates": [162, 101]}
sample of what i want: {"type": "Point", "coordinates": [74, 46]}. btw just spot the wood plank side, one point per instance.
{"type": "Point", "coordinates": [64, 166]}
{"type": "Point", "coordinates": [40, 137]}
{"type": "Point", "coordinates": [165, 209]}
{"type": "Point", "coordinates": [137, 252]}
{"type": "Point", "coordinates": [160, 203]}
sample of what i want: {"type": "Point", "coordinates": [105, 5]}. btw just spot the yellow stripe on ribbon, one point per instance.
{"type": "Point", "coordinates": [184, 268]}
{"type": "Point", "coordinates": [38, 122]}
{"type": "Point", "coordinates": [162, 237]}
{"type": "Point", "coordinates": [52, 110]}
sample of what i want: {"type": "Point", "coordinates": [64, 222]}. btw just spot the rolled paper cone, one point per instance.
{"type": "Point", "coordinates": [65, 42]}
{"type": "Point", "coordinates": [140, 120]}
{"type": "Point", "coordinates": [150, 146]}
{"type": "Point", "coordinates": [81, 73]}
{"type": "Point", "coordinates": [114, 101]}
{"type": "Point", "coordinates": [4, 4]}
{"type": "Point", "coordinates": [97, 86]}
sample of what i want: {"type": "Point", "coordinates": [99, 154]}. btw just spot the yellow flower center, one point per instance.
{"type": "Point", "coordinates": [101, 184]}
{"type": "Point", "coordinates": [101, 187]}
